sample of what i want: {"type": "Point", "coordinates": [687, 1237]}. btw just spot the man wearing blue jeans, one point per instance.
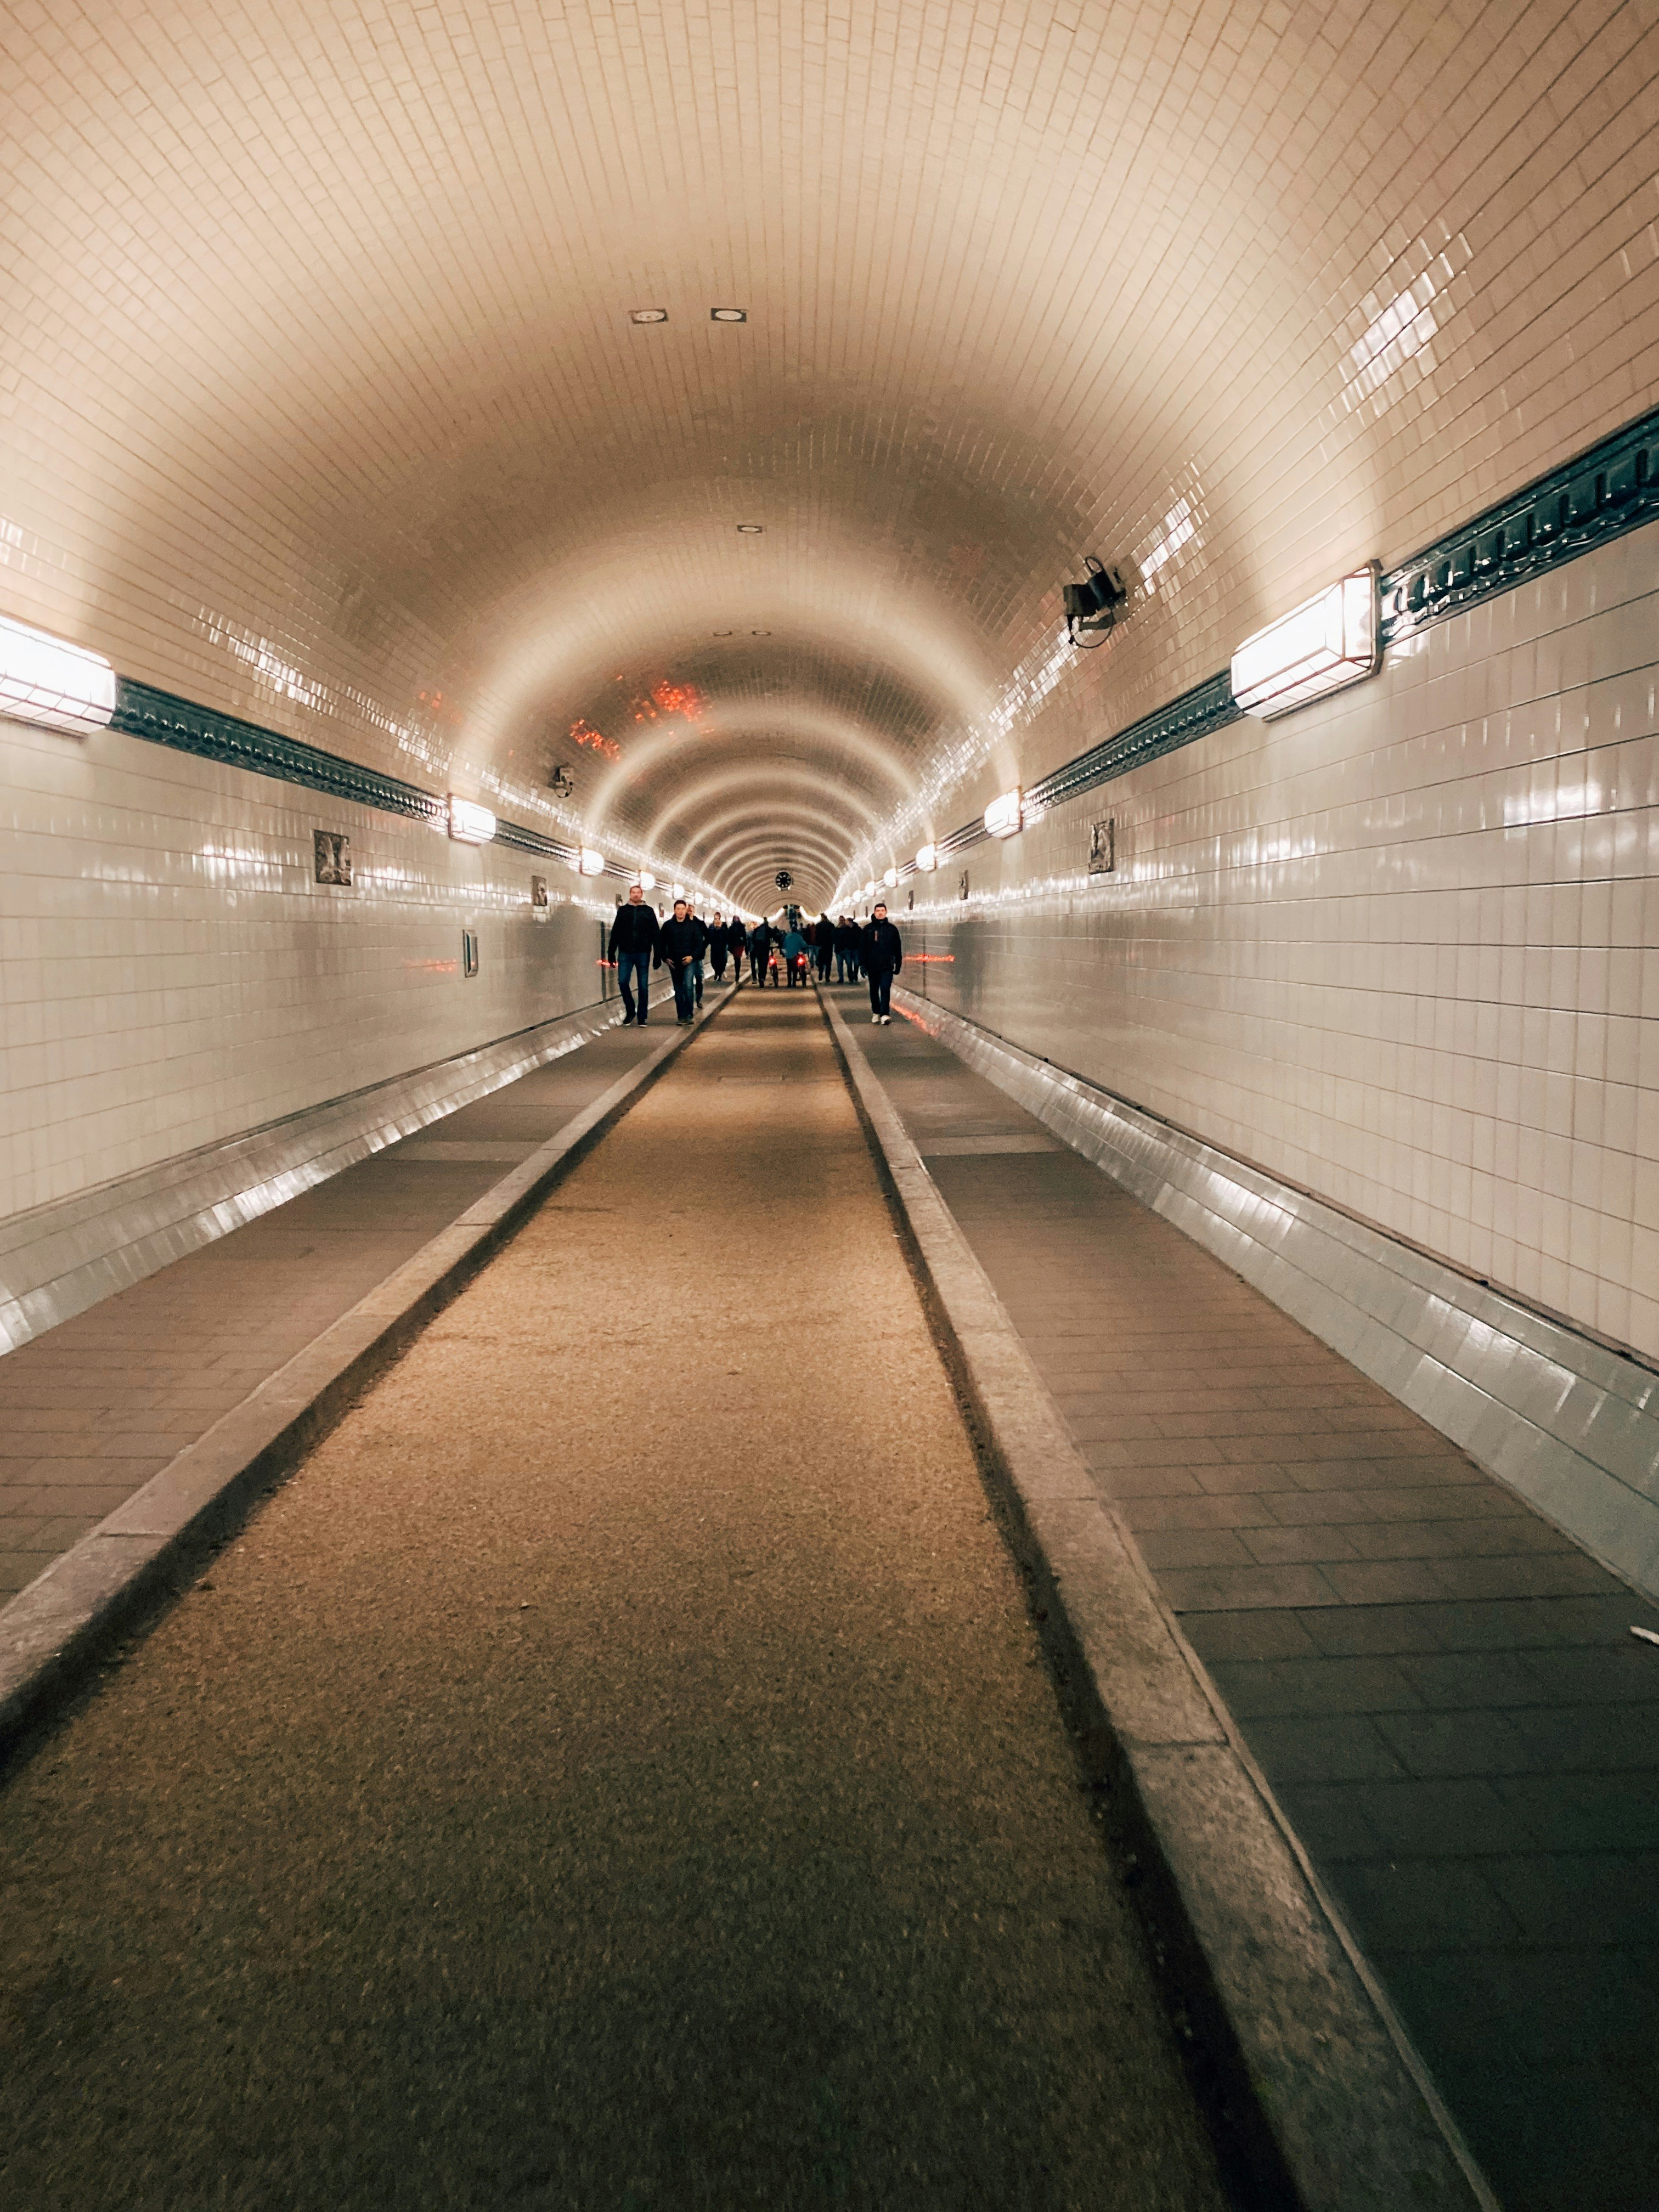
{"type": "Point", "coordinates": [635, 952]}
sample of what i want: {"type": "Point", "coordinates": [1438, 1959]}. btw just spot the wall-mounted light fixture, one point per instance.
{"type": "Point", "coordinates": [1005, 817]}
{"type": "Point", "coordinates": [469, 823]}
{"type": "Point", "coordinates": [45, 680]}
{"type": "Point", "coordinates": [890, 878]}
{"type": "Point", "coordinates": [649, 315]}
{"type": "Point", "coordinates": [728, 314]}
{"type": "Point", "coordinates": [751, 529]}
{"type": "Point", "coordinates": [926, 860]}
{"type": "Point", "coordinates": [1093, 607]}
{"type": "Point", "coordinates": [590, 863]}
{"type": "Point", "coordinates": [646, 881]}
{"type": "Point", "coordinates": [1323, 646]}
{"type": "Point", "coordinates": [677, 892]}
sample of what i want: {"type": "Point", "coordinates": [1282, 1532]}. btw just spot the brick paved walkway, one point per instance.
{"type": "Point", "coordinates": [1440, 1687]}
{"type": "Point", "coordinates": [92, 1409]}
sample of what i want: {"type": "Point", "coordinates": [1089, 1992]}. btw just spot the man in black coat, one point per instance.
{"type": "Point", "coordinates": [846, 950]}
{"type": "Point", "coordinates": [760, 950]}
{"type": "Point", "coordinates": [703, 941]}
{"type": "Point", "coordinates": [634, 951]}
{"type": "Point", "coordinates": [824, 938]}
{"type": "Point", "coordinates": [718, 947]}
{"type": "Point", "coordinates": [881, 950]}
{"type": "Point", "coordinates": [680, 939]}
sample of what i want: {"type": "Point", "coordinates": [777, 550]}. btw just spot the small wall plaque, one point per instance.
{"type": "Point", "coordinates": [538, 890]}
{"type": "Point", "coordinates": [333, 856]}
{"type": "Point", "coordinates": [469, 953]}
{"type": "Point", "coordinates": [1103, 847]}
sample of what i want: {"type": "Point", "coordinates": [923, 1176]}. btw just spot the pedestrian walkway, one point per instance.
{"type": "Point", "coordinates": [93, 1408]}
{"type": "Point", "coordinates": [1441, 1688]}
{"type": "Point", "coordinates": [616, 1772]}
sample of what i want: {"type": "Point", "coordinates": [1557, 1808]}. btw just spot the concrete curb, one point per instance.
{"type": "Point", "coordinates": [1327, 2105]}
{"type": "Point", "coordinates": [53, 1633]}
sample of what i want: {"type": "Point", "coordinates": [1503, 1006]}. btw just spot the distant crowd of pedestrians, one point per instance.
{"type": "Point", "coordinates": [641, 942]}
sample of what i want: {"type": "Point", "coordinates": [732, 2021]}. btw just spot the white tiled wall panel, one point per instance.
{"type": "Point", "coordinates": [175, 975]}
{"type": "Point", "coordinates": [1401, 948]}
{"type": "Point", "coordinates": [319, 401]}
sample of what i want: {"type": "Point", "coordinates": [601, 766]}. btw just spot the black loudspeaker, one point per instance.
{"type": "Point", "coordinates": [1096, 603]}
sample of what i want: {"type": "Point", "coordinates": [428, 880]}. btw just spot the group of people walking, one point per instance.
{"type": "Point", "coordinates": [640, 942]}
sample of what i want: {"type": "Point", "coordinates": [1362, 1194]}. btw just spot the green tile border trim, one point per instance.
{"type": "Point", "coordinates": [1587, 502]}
{"type": "Point", "coordinates": [141, 711]}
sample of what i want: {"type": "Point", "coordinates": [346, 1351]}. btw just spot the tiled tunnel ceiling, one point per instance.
{"type": "Point", "coordinates": [322, 401]}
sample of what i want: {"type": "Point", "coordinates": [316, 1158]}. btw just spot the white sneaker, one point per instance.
{"type": "Point", "coordinates": [874, 1018]}
{"type": "Point", "coordinates": [886, 1021]}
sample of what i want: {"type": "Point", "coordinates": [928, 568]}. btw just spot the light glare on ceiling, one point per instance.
{"type": "Point", "coordinates": [1322, 645]}
{"type": "Point", "coordinates": [45, 680]}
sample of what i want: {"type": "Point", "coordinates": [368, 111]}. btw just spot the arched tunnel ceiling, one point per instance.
{"type": "Point", "coordinates": [321, 400]}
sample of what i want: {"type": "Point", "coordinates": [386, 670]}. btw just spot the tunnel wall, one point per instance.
{"type": "Point", "coordinates": [1401, 948]}
{"type": "Point", "coordinates": [176, 977]}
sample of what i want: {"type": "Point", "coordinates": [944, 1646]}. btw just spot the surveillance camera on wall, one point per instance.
{"type": "Point", "coordinates": [562, 782]}
{"type": "Point", "coordinates": [1093, 607]}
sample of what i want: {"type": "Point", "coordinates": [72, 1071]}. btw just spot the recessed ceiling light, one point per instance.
{"type": "Point", "coordinates": [722, 633]}
{"type": "Point", "coordinates": [760, 633]}
{"type": "Point", "coordinates": [751, 529]}
{"type": "Point", "coordinates": [728, 314]}
{"type": "Point", "coordinates": [649, 315]}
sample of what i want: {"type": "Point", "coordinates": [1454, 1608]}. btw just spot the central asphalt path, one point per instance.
{"type": "Point", "coordinates": [616, 1771]}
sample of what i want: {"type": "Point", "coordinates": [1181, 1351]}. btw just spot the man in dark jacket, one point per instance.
{"type": "Point", "coordinates": [718, 947]}
{"type": "Point", "coordinates": [760, 950]}
{"type": "Point", "coordinates": [846, 950]}
{"type": "Point", "coordinates": [697, 958]}
{"type": "Point", "coordinates": [679, 940]}
{"type": "Point", "coordinates": [635, 952]}
{"type": "Point", "coordinates": [823, 938]}
{"type": "Point", "coordinates": [881, 950]}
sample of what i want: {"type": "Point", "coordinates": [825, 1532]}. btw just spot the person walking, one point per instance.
{"type": "Point", "coordinates": [636, 949]}
{"type": "Point", "coordinates": [846, 950]}
{"type": "Point", "coordinates": [759, 949]}
{"type": "Point", "coordinates": [701, 929]}
{"type": "Point", "coordinates": [794, 955]}
{"type": "Point", "coordinates": [679, 946]}
{"type": "Point", "coordinates": [717, 947]}
{"type": "Point", "coordinates": [881, 950]}
{"type": "Point", "coordinates": [824, 941]}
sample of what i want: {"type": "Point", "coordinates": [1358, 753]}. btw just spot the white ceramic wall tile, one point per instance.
{"type": "Point", "coordinates": [175, 976]}
{"type": "Point", "coordinates": [1401, 948]}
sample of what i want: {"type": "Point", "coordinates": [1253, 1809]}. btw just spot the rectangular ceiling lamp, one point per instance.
{"type": "Point", "coordinates": [54, 684]}
{"type": "Point", "coordinates": [470, 824]}
{"type": "Point", "coordinates": [1003, 817]}
{"type": "Point", "coordinates": [590, 863]}
{"type": "Point", "coordinates": [926, 860]}
{"type": "Point", "coordinates": [1328, 643]}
